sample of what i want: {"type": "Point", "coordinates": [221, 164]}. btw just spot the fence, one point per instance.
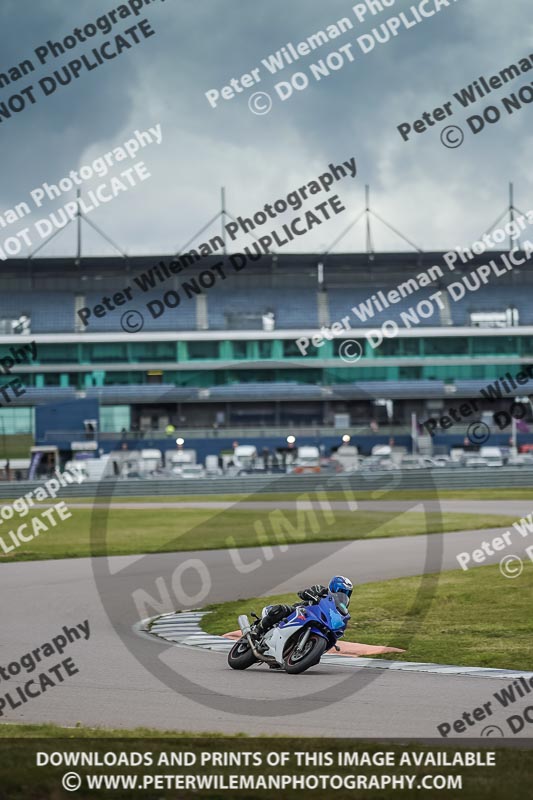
{"type": "Point", "coordinates": [440, 479]}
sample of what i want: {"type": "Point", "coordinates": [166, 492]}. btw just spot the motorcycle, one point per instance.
{"type": "Point", "coordinates": [297, 642]}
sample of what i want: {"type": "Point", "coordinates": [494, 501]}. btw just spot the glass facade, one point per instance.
{"type": "Point", "coordinates": [204, 364]}
{"type": "Point", "coordinates": [115, 418]}
{"type": "Point", "coordinates": [133, 362]}
{"type": "Point", "coordinates": [16, 420]}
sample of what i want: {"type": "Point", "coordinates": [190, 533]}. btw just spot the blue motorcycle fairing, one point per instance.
{"type": "Point", "coordinates": [324, 618]}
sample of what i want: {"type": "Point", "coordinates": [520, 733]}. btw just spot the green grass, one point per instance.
{"type": "Point", "coordinates": [10, 730]}
{"type": "Point", "coordinates": [474, 618]}
{"type": "Point", "coordinates": [379, 494]}
{"type": "Point", "coordinates": [125, 531]}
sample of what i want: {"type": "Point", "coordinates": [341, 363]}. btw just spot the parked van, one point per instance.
{"type": "Point", "coordinates": [347, 456]}
{"type": "Point", "coordinates": [493, 456]}
{"type": "Point", "coordinates": [307, 460]}
{"type": "Point", "coordinates": [211, 465]}
{"type": "Point", "coordinates": [177, 459]}
{"type": "Point", "coordinates": [245, 456]}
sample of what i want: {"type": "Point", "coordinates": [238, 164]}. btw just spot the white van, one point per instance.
{"type": "Point", "coordinates": [493, 456]}
{"type": "Point", "coordinates": [307, 460]}
{"type": "Point", "coordinates": [176, 460]}
{"type": "Point", "coordinates": [211, 465]}
{"type": "Point", "coordinates": [347, 456]}
{"type": "Point", "coordinates": [245, 456]}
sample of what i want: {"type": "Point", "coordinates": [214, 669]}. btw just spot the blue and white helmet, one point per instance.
{"type": "Point", "coordinates": [342, 588]}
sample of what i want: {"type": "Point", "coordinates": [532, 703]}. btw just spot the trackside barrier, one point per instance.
{"type": "Point", "coordinates": [441, 479]}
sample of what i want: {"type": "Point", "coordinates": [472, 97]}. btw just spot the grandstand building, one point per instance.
{"type": "Point", "coordinates": [226, 356]}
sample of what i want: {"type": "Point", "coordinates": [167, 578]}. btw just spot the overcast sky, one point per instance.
{"type": "Point", "coordinates": [438, 197]}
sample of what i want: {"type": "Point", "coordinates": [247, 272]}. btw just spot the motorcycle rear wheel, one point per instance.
{"type": "Point", "coordinates": [240, 656]}
{"type": "Point", "coordinates": [312, 653]}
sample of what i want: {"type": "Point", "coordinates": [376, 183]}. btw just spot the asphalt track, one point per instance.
{"type": "Point", "coordinates": [114, 689]}
{"type": "Point", "coordinates": [517, 508]}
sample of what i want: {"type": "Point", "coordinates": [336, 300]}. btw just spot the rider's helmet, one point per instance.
{"type": "Point", "coordinates": [341, 588]}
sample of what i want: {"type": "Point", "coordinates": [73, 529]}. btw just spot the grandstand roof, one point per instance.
{"type": "Point", "coordinates": [334, 263]}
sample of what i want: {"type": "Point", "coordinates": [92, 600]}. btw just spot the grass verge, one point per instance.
{"type": "Point", "coordinates": [393, 494]}
{"type": "Point", "coordinates": [129, 531]}
{"type": "Point", "coordinates": [9, 730]}
{"type": "Point", "coordinates": [477, 618]}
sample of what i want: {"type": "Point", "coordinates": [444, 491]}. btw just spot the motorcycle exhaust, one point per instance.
{"type": "Point", "coordinates": [257, 654]}
{"type": "Point", "coordinates": [244, 625]}
{"type": "Point", "coordinates": [246, 629]}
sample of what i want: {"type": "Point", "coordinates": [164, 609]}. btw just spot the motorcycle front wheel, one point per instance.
{"type": "Point", "coordinates": [241, 656]}
{"type": "Point", "coordinates": [296, 662]}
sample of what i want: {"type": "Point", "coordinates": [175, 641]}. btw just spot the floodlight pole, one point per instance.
{"type": "Point", "coordinates": [223, 216]}
{"type": "Point", "coordinates": [511, 209]}
{"type": "Point", "coordinates": [367, 212]}
{"type": "Point", "coordinates": [78, 215]}
{"type": "Point", "coordinates": [369, 246]}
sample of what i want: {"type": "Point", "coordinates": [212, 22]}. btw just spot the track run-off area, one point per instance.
{"type": "Point", "coordinates": [115, 686]}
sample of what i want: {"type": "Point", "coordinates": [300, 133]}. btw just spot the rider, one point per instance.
{"type": "Point", "coordinates": [340, 587]}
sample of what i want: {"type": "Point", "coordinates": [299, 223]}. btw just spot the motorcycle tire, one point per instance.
{"type": "Point", "coordinates": [313, 651]}
{"type": "Point", "coordinates": [240, 656]}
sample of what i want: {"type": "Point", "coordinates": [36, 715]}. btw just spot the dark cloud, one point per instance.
{"type": "Point", "coordinates": [439, 197]}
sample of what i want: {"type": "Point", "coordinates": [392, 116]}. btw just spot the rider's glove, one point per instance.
{"type": "Point", "coordinates": [314, 593]}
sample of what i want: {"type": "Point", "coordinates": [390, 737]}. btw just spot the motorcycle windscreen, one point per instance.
{"type": "Point", "coordinates": [342, 601]}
